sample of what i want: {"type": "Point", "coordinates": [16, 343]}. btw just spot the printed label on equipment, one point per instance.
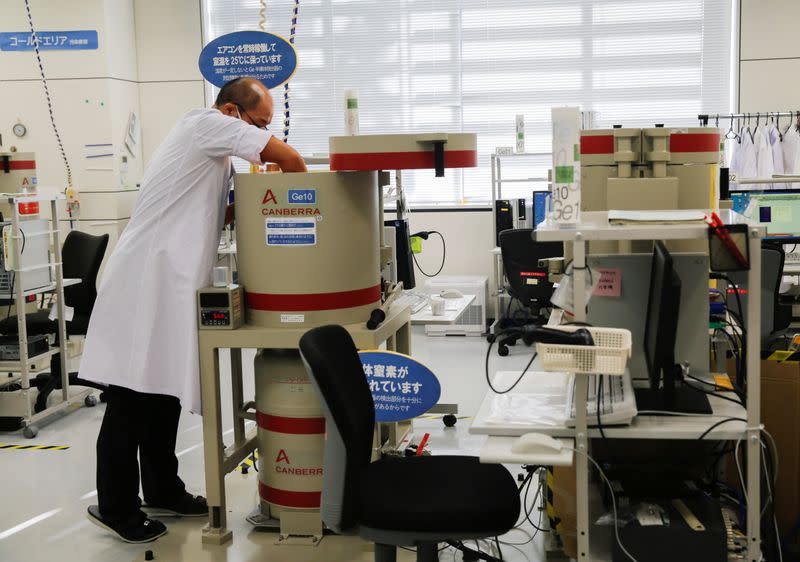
{"type": "Point", "coordinates": [293, 318]}
{"type": "Point", "coordinates": [291, 232]}
{"type": "Point", "coordinates": [610, 284]}
{"type": "Point", "coordinates": [302, 197]}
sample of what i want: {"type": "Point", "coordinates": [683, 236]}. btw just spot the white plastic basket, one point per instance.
{"type": "Point", "coordinates": [608, 356]}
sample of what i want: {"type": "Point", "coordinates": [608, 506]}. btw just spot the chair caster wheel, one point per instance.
{"type": "Point", "coordinates": [90, 401]}
{"type": "Point", "coordinates": [30, 431]}
{"type": "Point", "coordinates": [502, 351]}
{"type": "Point", "coordinates": [491, 338]}
{"type": "Point", "coordinates": [449, 420]}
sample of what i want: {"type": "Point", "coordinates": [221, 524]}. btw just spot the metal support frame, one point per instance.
{"type": "Point", "coordinates": [220, 460]}
{"type": "Point", "coordinates": [581, 414]}
{"type": "Point", "coordinates": [754, 401]}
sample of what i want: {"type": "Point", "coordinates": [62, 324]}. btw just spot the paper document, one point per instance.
{"type": "Point", "coordinates": [655, 217]}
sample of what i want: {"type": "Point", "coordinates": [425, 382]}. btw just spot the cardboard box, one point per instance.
{"type": "Point", "coordinates": [780, 414]}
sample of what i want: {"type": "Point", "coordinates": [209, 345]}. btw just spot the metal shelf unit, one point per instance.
{"type": "Point", "coordinates": [18, 403]}
{"type": "Point", "coordinates": [595, 227]}
{"type": "Point", "coordinates": [497, 193]}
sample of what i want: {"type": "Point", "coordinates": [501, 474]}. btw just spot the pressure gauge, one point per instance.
{"type": "Point", "coordinates": [20, 130]}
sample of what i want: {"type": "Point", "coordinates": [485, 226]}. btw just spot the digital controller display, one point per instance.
{"type": "Point", "coordinates": [215, 318]}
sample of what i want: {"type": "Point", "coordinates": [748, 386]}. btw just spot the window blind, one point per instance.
{"type": "Point", "coordinates": [473, 65]}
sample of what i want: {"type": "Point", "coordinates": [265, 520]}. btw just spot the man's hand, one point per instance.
{"type": "Point", "coordinates": [283, 155]}
{"type": "Point", "coordinates": [230, 215]}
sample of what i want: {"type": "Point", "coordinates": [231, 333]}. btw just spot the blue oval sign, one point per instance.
{"type": "Point", "coordinates": [268, 57]}
{"type": "Point", "coordinates": [402, 388]}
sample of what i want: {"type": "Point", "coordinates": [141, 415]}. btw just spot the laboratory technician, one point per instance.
{"type": "Point", "coordinates": [142, 338]}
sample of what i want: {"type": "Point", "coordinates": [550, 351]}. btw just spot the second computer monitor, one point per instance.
{"type": "Point", "coordinates": [778, 210]}
{"type": "Point", "coordinates": [665, 392]}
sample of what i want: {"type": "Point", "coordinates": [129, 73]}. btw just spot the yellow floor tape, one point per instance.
{"type": "Point", "coordinates": [249, 462]}
{"type": "Point", "coordinates": [34, 447]}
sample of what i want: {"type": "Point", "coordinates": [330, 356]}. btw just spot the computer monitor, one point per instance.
{"type": "Point", "coordinates": [540, 207]}
{"type": "Point", "coordinates": [665, 393]}
{"type": "Point", "coordinates": [405, 260]}
{"type": "Point", "coordinates": [778, 210]}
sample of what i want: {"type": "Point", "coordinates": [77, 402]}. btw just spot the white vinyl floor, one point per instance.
{"type": "Point", "coordinates": [45, 493]}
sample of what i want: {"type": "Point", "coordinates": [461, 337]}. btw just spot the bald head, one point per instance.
{"type": "Point", "coordinates": [248, 99]}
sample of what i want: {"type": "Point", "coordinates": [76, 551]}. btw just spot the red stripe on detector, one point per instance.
{"type": "Point", "coordinates": [401, 160]}
{"type": "Point", "coordinates": [310, 302]}
{"type": "Point", "coordinates": [293, 426]}
{"type": "Point", "coordinates": [289, 498]}
{"type": "Point", "coordinates": [22, 164]}
{"type": "Point", "coordinates": [597, 144]}
{"type": "Point", "coordinates": [694, 142]}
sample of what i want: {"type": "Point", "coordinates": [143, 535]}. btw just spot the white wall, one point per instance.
{"type": "Point", "coordinates": [770, 56]}
{"type": "Point", "coordinates": [168, 42]}
{"type": "Point", "coordinates": [93, 92]}
{"type": "Point", "coordinates": [469, 242]}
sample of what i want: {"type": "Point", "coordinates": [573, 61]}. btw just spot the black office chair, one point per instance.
{"type": "Point", "coordinates": [81, 255]}
{"type": "Point", "coordinates": [526, 281]}
{"type": "Point", "coordinates": [413, 501]}
{"type": "Point", "coordinates": [775, 316]}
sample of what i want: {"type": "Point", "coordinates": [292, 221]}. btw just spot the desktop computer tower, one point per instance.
{"type": "Point", "coordinates": [503, 218]}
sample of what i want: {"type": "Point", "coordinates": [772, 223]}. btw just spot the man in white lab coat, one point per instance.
{"type": "Point", "coordinates": [142, 338]}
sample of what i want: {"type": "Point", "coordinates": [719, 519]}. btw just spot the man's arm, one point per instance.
{"type": "Point", "coordinates": [283, 155]}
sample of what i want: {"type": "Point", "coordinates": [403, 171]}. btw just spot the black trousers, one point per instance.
{"type": "Point", "coordinates": [146, 424]}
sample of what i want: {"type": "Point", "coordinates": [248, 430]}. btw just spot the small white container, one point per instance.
{"type": "Point", "coordinates": [437, 306]}
{"type": "Point", "coordinates": [222, 277]}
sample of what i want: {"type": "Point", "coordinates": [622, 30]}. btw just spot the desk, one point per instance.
{"type": "Point", "coordinates": [453, 308]}
{"type": "Point", "coordinates": [643, 426]}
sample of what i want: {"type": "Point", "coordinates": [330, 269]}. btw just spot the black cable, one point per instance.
{"type": "Point", "coordinates": [47, 95]}
{"type": "Point", "coordinates": [719, 423]}
{"type": "Point", "coordinates": [687, 385]}
{"type": "Point", "coordinates": [516, 382]}
{"type": "Point", "coordinates": [599, 402]}
{"type": "Point", "coordinates": [528, 511]}
{"type": "Point", "coordinates": [444, 256]}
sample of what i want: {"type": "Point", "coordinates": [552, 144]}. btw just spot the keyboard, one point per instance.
{"type": "Point", "coordinates": [792, 257]}
{"type": "Point", "coordinates": [618, 406]}
{"type": "Point", "coordinates": [414, 300]}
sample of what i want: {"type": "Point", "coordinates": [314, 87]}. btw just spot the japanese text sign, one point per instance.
{"type": "Point", "coordinates": [402, 388]}
{"type": "Point", "coordinates": [267, 57]}
{"type": "Point", "coordinates": [82, 40]}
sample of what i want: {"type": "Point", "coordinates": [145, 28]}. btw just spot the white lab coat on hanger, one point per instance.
{"type": "Point", "coordinates": [764, 164]}
{"type": "Point", "coordinates": [143, 330]}
{"type": "Point", "coordinates": [774, 138]}
{"type": "Point", "coordinates": [748, 163]}
{"type": "Point", "coordinates": [791, 151]}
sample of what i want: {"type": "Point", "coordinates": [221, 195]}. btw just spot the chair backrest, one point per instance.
{"type": "Point", "coordinates": [337, 373]}
{"type": "Point", "coordinates": [772, 258]}
{"type": "Point", "coordinates": [82, 255]}
{"type": "Point", "coordinates": [521, 254]}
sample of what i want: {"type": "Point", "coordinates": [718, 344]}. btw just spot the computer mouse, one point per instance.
{"type": "Point", "coordinates": [451, 294]}
{"type": "Point", "coordinates": [536, 443]}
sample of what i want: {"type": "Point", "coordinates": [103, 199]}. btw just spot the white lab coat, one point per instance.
{"type": "Point", "coordinates": [143, 330]}
{"type": "Point", "coordinates": [791, 151]}
{"type": "Point", "coordinates": [774, 137]}
{"type": "Point", "coordinates": [764, 164]}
